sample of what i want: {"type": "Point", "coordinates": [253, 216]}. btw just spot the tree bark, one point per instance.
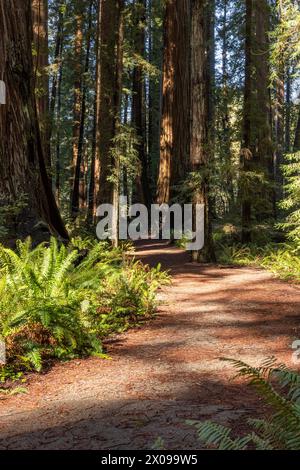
{"type": "Point", "coordinates": [24, 182]}
{"type": "Point", "coordinates": [78, 192]}
{"type": "Point", "coordinates": [139, 104]}
{"type": "Point", "coordinates": [41, 77]}
{"type": "Point", "coordinates": [94, 186]}
{"type": "Point", "coordinates": [110, 29]}
{"type": "Point", "coordinates": [175, 122]}
{"type": "Point", "coordinates": [200, 153]}
{"type": "Point", "coordinates": [246, 151]}
{"type": "Point", "coordinates": [77, 105]}
{"type": "Point", "coordinates": [58, 64]}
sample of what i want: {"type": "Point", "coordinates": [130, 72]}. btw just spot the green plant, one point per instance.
{"type": "Point", "coordinates": [291, 202]}
{"type": "Point", "coordinates": [58, 301]}
{"type": "Point", "coordinates": [282, 258]}
{"type": "Point", "coordinates": [129, 295]}
{"type": "Point", "coordinates": [280, 388]}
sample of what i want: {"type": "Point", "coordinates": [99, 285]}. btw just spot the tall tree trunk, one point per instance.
{"type": "Point", "coordinates": [117, 117]}
{"type": "Point", "coordinates": [200, 154]}
{"type": "Point", "coordinates": [78, 192]}
{"type": "Point", "coordinates": [139, 103]}
{"type": "Point", "coordinates": [58, 136]}
{"type": "Point", "coordinates": [58, 64]}
{"type": "Point", "coordinates": [175, 122]}
{"type": "Point", "coordinates": [257, 152]}
{"type": "Point", "coordinates": [262, 67]}
{"type": "Point", "coordinates": [225, 105]}
{"type": "Point", "coordinates": [155, 11]}
{"type": "Point", "coordinates": [110, 24]}
{"type": "Point", "coordinates": [23, 175]}
{"type": "Point", "coordinates": [77, 105]}
{"type": "Point", "coordinates": [94, 186]}
{"type": "Point", "coordinates": [279, 123]}
{"type": "Point", "coordinates": [246, 151]}
{"type": "Point", "coordinates": [41, 78]}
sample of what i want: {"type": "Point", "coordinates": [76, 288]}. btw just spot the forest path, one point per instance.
{"type": "Point", "coordinates": [165, 372]}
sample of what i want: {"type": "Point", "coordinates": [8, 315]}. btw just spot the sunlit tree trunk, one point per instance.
{"type": "Point", "coordinates": [200, 153]}
{"type": "Point", "coordinates": [175, 121]}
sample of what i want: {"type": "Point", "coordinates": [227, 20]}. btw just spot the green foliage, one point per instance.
{"type": "Point", "coordinates": [281, 259]}
{"type": "Point", "coordinates": [52, 298]}
{"type": "Point", "coordinates": [291, 201]}
{"type": "Point", "coordinates": [128, 294]}
{"type": "Point", "coordinates": [280, 388]}
{"type": "Point", "coordinates": [285, 37]}
{"type": "Point", "coordinates": [124, 150]}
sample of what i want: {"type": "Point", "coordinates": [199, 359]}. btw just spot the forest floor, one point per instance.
{"type": "Point", "coordinates": [166, 371]}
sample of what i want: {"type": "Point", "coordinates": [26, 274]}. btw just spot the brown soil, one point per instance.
{"type": "Point", "coordinates": [165, 372]}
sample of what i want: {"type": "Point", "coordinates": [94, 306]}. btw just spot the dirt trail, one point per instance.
{"type": "Point", "coordinates": [166, 372]}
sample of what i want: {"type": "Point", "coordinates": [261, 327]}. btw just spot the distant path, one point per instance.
{"type": "Point", "coordinates": [165, 372]}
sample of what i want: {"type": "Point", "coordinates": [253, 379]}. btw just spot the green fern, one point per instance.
{"type": "Point", "coordinates": [52, 299]}
{"type": "Point", "coordinates": [280, 388]}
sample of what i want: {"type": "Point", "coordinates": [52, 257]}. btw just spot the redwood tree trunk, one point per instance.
{"type": "Point", "coordinates": [175, 122]}
{"type": "Point", "coordinates": [41, 78]}
{"type": "Point", "coordinates": [200, 153]}
{"type": "Point", "coordinates": [110, 28]}
{"type": "Point", "coordinates": [95, 161]}
{"type": "Point", "coordinates": [77, 105]}
{"type": "Point", "coordinates": [78, 192]}
{"type": "Point", "coordinates": [246, 152]}
{"type": "Point", "coordinates": [139, 105]}
{"type": "Point", "coordinates": [24, 183]}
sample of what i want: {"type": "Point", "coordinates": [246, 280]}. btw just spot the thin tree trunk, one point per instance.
{"type": "Point", "coordinates": [58, 136]}
{"type": "Point", "coordinates": [78, 192]}
{"type": "Point", "coordinates": [41, 78]}
{"type": "Point", "coordinates": [58, 64]}
{"type": "Point", "coordinates": [77, 105]}
{"type": "Point", "coordinates": [117, 116]}
{"type": "Point", "coordinates": [246, 152]}
{"type": "Point", "coordinates": [200, 156]}
{"type": "Point", "coordinates": [139, 104]}
{"type": "Point", "coordinates": [225, 106]}
{"type": "Point", "coordinates": [279, 124]}
{"type": "Point", "coordinates": [95, 161]}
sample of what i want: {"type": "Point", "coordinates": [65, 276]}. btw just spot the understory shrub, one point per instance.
{"type": "Point", "coordinates": [282, 259]}
{"type": "Point", "coordinates": [280, 389]}
{"type": "Point", "coordinates": [58, 301]}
